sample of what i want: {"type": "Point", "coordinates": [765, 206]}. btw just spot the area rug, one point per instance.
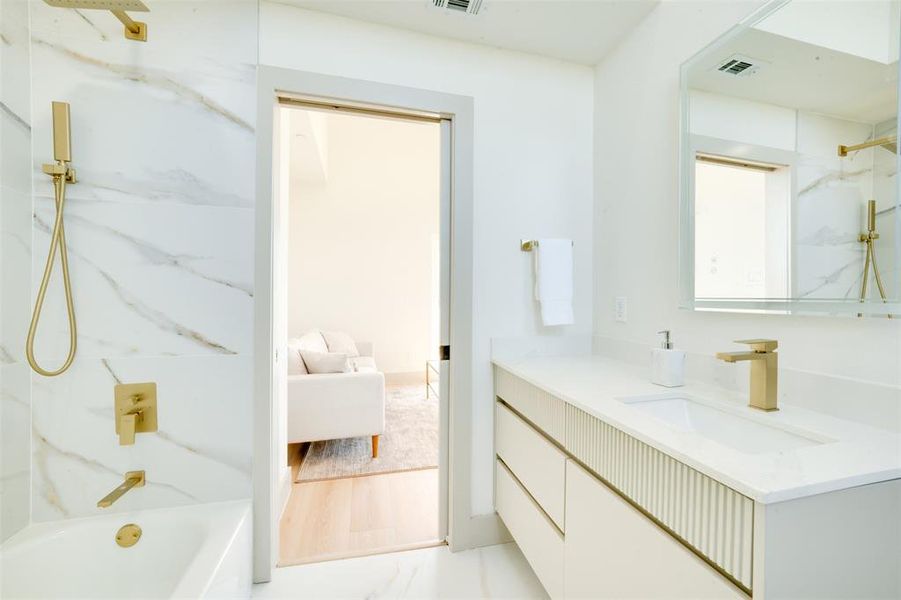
{"type": "Point", "coordinates": [410, 441]}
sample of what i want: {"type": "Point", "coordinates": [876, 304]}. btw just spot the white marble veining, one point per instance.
{"type": "Point", "coordinates": [201, 453]}
{"type": "Point", "coordinates": [831, 198]}
{"type": "Point", "coordinates": [15, 266]}
{"type": "Point", "coordinates": [490, 572]}
{"type": "Point", "coordinates": [859, 455]}
{"type": "Point", "coordinates": [160, 235]}
{"type": "Point", "coordinates": [169, 120]}
{"type": "Point", "coordinates": [151, 280]}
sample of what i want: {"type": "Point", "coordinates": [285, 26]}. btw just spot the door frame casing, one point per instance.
{"type": "Point", "coordinates": [272, 82]}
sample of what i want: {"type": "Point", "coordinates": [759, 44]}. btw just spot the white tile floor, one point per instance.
{"type": "Point", "coordinates": [490, 572]}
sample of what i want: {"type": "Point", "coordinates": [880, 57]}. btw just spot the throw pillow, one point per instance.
{"type": "Point", "coordinates": [340, 342]}
{"type": "Point", "coordinates": [312, 340]}
{"type": "Point", "coordinates": [296, 365]}
{"type": "Point", "coordinates": [325, 362]}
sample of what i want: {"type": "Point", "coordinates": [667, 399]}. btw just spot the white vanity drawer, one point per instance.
{"type": "Point", "coordinates": [539, 407]}
{"type": "Point", "coordinates": [614, 551]}
{"type": "Point", "coordinates": [536, 462]}
{"type": "Point", "coordinates": [540, 542]}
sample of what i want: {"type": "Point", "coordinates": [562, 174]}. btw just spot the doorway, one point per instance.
{"type": "Point", "coordinates": [362, 291]}
{"type": "Point", "coordinates": [271, 476]}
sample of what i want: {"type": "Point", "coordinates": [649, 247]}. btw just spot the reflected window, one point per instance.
{"type": "Point", "coordinates": [741, 228]}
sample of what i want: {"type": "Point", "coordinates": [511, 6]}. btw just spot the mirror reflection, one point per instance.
{"type": "Point", "coordinates": [790, 157]}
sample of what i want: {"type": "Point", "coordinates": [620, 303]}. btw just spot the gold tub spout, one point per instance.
{"type": "Point", "coordinates": [133, 479]}
{"type": "Point", "coordinates": [764, 371]}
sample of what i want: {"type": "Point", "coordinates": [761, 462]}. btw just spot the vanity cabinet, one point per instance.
{"type": "Point", "coordinates": [612, 550]}
{"type": "Point", "coordinates": [536, 461]}
{"type": "Point", "coordinates": [581, 538]}
{"type": "Point", "coordinates": [599, 513]}
{"type": "Point", "coordinates": [537, 536]}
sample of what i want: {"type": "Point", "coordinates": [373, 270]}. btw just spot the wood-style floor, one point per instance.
{"type": "Point", "coordinates": [354, 516]}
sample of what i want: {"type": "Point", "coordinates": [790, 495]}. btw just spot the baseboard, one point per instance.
{"type": "Point", "coordinates": [410, 378]}
{"type": "Point", "coordinates": [481, 530]}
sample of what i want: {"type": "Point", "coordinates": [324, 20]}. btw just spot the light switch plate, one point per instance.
{"type": "Point", "coordinates": [621, 309]}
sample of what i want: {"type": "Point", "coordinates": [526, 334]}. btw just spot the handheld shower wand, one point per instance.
{"type": "Point", "coordinates": [869, 238]}
{"type": "Point", "coordinates": [62, 174]}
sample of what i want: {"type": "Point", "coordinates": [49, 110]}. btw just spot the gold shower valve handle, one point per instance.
{"type": "Point", "coordinates": [135, 408]}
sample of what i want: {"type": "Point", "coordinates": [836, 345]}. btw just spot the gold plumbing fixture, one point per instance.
{"type": "Point", "coordinates": [764, 371]}
{"type": "Point", "coordinates": [528, 245]}
{"type": "Point", "coordinates": [128, 535]}
{"type": "Point", "coordinates": [134, 30]}
{"type": "Point", "coordinates": [869, 238]}
{"type": "Point", "coordinates": [135, 405]}
{"type": "Point", "coordinates": [889, 142]}
{"type": "Point", "coordinates": [62, 174]}
{"type": "Point", "coordinates": [133, 479]}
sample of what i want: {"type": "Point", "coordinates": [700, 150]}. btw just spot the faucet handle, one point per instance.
{"type": "Point", "coordinates": [127, 425]}
{"type": "Point", "coordinates": [760, 345]}
{"type": "Point", "coordinates": [135, 410]}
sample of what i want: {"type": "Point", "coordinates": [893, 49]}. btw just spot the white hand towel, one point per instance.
{"type": "Point", "coordinates": [554, 281]}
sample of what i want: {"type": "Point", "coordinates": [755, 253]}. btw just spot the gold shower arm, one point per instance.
{"type": "Point", "coordinates": [134, 30]}
{"type": "Point", "coordinates": [844, 150]}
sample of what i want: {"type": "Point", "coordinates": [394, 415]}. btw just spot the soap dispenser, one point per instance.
{"type": "Point", "coordinates": [667, 365]}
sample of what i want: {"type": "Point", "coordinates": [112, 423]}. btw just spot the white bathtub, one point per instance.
{"type": "Point", "coordinates": [201, 551]}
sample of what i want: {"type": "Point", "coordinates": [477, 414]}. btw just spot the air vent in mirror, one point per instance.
{"type": "Point", "coordinates": [469, 7]}
{"type": "Point", "coordinates": [740, 66]}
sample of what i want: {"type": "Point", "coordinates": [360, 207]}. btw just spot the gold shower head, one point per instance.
{"type": "Point", "coordinates": [134, 30]}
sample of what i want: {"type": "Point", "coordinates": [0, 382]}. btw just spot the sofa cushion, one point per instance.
{"type": "Point", "coordinates": [296, 365]}
{"type": "Point", "coordinates": [313, 340]}
{"type": "Point", "coordinates": [325, 362]}
{"type": "Point", "coordinates": [338, 341]}
{"type": "Point", "coordinates": [363, 364]}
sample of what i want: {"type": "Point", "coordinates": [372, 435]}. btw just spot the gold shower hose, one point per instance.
{"type": "Point", "coordinates": [57, 240]}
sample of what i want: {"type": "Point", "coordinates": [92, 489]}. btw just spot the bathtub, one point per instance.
{"type": "Point", "coordinates": [201, 551]}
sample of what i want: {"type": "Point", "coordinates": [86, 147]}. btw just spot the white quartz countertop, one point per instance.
{"type": "Point", "coordinates": [850, 454]}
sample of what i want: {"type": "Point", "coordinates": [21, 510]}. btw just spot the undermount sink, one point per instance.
{"type": "Point", "coordinates": [721, 425]}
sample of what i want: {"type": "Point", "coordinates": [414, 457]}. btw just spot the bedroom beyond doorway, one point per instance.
{"type": "Point", "coordinates": [362, 296]}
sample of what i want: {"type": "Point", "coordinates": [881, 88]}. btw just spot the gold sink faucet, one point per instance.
{"type": "Point", "coordinates": [764, 371]}
{"type": "Point", "coordinates": [133, 479]}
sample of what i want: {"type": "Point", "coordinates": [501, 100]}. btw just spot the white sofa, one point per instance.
{"type": "Point", "coordinates": [331, 406]}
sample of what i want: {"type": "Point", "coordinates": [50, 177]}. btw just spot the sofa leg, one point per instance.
{"type": "Point", "coordinates": [375, 446]}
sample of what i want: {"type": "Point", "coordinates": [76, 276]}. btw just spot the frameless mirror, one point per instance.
{"type": "Point", "coordinates": [789, 162]}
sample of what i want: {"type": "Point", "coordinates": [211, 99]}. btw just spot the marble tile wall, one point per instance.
{"type": "Point", "coordinates": [888, 220]}
{"type": "Point", "coordinates": [15, 265]}
{"type": "Point", "coordinates": [831, 199]}
{"type": "Point", "coordinates": [160, 232]}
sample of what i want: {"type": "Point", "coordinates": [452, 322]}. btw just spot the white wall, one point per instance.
{"type": "Point", "coordinates": [532, 177]}
{"type": "Point", "coordinates": [636, 181]}
{"type": "Point", "coordinates": [361, 237]}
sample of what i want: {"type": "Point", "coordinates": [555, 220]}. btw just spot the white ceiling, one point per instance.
{"type": "Point", "coordinates": [804, 76]}
{"type": "Point", "coordinates": [581, 31]}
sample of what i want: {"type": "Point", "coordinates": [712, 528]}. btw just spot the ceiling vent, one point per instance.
{"type": "Point", "coordinates": [739, 66]}
{"type": "Point", "coordinates": [469, 7]}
